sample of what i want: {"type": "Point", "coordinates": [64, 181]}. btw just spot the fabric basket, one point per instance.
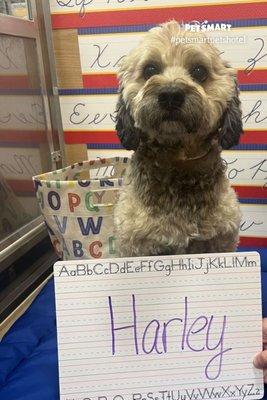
{"type": "Point", "coordinates": [79, 212]}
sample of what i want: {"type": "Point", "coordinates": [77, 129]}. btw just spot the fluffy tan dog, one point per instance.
{"type": "Point", "coordinates": [178, 108]}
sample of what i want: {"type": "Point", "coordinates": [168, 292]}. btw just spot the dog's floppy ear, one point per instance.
{"type": "Point", "coordinates": [127, 133]}
{"type": "Point", "coordinates": [231, 127]}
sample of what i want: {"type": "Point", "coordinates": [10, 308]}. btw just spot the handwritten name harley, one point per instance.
{"type": "Point", "coordinates": [205, 264]}
{"type": "Point", "coordinates": [154, 338]}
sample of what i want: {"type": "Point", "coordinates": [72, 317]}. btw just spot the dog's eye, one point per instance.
{"type": "Point", "coordinates": [150, 70]}
{"type": "Point", "coordinates": [199, 73]}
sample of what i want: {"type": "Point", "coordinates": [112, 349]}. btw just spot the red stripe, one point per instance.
{"type": "Point", "coordinates": [254, 137]}
{"type": "Point", "coordinates": [14, 82]}
{"type": "Point", "coordinates": [255, 76]}
{"type": "Point", "coordinates": [253, 241]}
{"type": "Point", "coordinates": [110, 80]}
{"type": "Point", "coordinates": [22, 136]}
{"type": "Point", "coordinates": [100, 81]}
{"type": "Point", "coordinates": [21, 186]}
{"type": "Point", "coordinates": [90, 137]}
{"type": "Point", "coordinates": [254, 192]}
{"type": "Point", "coordinates": [144, 16]}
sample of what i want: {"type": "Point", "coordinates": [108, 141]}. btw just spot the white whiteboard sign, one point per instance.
{"type": "Point", "coordinates": [159, 328]}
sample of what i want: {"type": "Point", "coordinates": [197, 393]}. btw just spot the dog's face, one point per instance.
{"type": "Point", "coordinates": [171, 93]}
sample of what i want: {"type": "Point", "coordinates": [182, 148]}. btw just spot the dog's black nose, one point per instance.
{"type": "Point", "coordinates": [170, 99]}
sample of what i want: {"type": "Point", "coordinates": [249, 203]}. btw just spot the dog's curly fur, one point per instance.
{"type": "Point", "coordinates": [176, 197]}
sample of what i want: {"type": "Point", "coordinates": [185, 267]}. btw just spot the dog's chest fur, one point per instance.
{"type": "Point", "coordinates": [164, 205]}
{"type": "Point", "coordinates": [165, 186]}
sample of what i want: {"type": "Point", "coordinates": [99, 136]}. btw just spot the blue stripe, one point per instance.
{"type": "Point", "coordinates": [257, 86]}
{"type": "Point", "coordinates": [114, 90]}
{"type": "Point", "coordinates": [146, 27]}
{"type": "Point", "coordinates": [104, 146]}
{"type": "Point", "coordinates": [69, 92]}
{"type": "Point", "coordinates": [118, 146]}
{"type": "Point", "coordinates": [253, 201]}
{"type": "Point", "coordinates": [250, 147]}
{"type": "Point", "coordinates": [115, 29]}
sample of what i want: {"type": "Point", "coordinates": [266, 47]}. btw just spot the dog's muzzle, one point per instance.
{"type": "Point", "coordinates": [170, 99]}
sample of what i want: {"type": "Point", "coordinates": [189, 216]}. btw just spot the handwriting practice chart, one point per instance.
{"type": "Point", "coordinates": [160, 328]}
{"type": "Point", "coordinates": [98, 34]}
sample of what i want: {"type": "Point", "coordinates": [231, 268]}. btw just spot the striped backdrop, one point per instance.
{"type": "Point", "coordinates": [90, 37]}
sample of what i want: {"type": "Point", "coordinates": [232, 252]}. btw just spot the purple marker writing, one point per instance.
{"type": "Point", "coordinates": [155, 337]}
